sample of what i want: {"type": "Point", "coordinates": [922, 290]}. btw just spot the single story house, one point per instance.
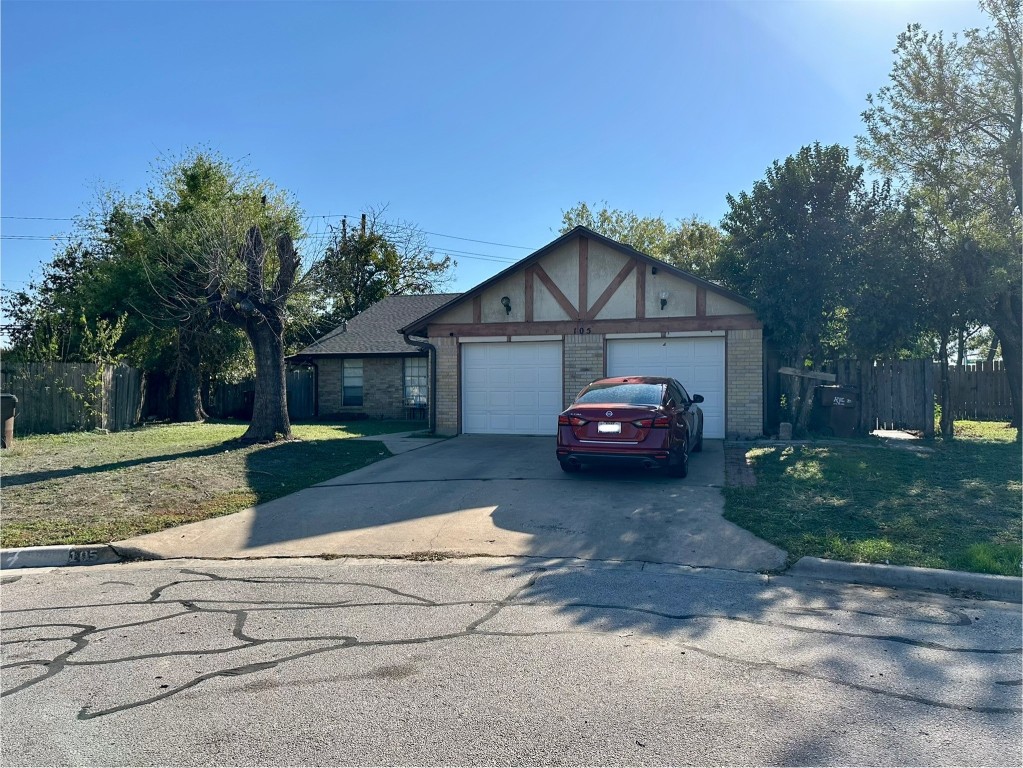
{"type": "Point", "coordinates": [508, 355]}
{"type": "Point", "coordinates": [366, 367]}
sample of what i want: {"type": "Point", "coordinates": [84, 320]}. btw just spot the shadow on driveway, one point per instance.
{"type": "Point", "coordinates": [495, 496]}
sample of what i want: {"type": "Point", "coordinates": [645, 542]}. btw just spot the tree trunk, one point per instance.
{"type": "Point", "coordinates": [808, 389]}
{"type": "Point", "coordinates": [186, 404]}
{"type": "Point", "coordinates": [1007, 324]}
{"type": "Point", "coordinates": [270, 406]}
{"type": "Point", "coordinates": [947, 424]}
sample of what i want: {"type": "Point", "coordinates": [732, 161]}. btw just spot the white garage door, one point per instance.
{"type": "Point", "coordinates": [699, 363]}
{"type": "Point", "coordinates": [511, 388]}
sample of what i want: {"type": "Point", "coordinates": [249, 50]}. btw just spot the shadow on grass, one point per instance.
{"type": "Point", "coordinates": [26, 478]}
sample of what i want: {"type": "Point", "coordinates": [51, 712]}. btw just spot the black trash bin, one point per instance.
{"type": "Point", "coordinates": [8, 410]}
{"type": "Point", "coordinates": [837, 410]}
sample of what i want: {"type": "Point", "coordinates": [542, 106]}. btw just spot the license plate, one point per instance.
{"type": "Point", "coordinates": [609, 427]}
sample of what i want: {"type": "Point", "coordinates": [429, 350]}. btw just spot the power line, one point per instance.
{"type": "Point", "coordinates": [38, 218]}
{"type": "Point", "coordinates": [325, 217]}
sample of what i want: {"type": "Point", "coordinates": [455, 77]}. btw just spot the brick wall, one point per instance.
{"type": "Point", "coordinates": [447, 385]}
{"type": "Point", "coordinates": [329, 385]}
{"type": "Point", "coordinates": [745, 390]}
{"type": "Point", "coordinates": [383, 388]}
{"type": "Point", "coordinates": [584, 362]}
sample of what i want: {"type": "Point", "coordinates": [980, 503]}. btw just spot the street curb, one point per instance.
{"type": "Point", "coordinates": [1008, 588]}
{"type": "Point", "coordinates": [59, 556]}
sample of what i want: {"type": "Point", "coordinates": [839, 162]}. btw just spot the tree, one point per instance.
{"type": "Point", "coordinates": [132, 257]}
{"type": "Point", "coordinates": [258, 305]}
{"type": "Point", "coordinates": [202, 243]}
{"type": "Point", "coordinates": [380, 259]}
{"type": "Point", "coordinates": [882, 307]}
{"type": "Point", "coordinates": [689, 244]}
{"type": "Point", "coordinates": [792, 246]}
{"type": "Point", "coordinates": [948, 124]}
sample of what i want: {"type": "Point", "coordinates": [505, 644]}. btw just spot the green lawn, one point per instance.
{"type": "Point", "coordinates": [957, 505]}
{"type": "Point", "coordinates": [86, 488]}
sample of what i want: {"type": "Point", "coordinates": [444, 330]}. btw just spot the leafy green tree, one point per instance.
{"type": "Point", "coordinates": [359, 268]}
{"type": "Point", "coordinates": [146, 258]}
{"type": "Point", "coordinates": [881, 299]}
{"type": "Point", "coordinates": [795, 246]}
{"type": "Point", "coordinates": [201, 242]}
{"type": "Point", "coordinates": [689, 244]}
{"type": "Point", "coordinates": [948, 125]}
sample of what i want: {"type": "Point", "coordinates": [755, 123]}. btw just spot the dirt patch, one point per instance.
{"type": "Point", "coordinates": [738, 470]}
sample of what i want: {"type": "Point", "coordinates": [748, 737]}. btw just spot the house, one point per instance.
{"type": "Point", "coordinates": [366, 367]}
{"type": "Point", "coordinates": [513, 352]}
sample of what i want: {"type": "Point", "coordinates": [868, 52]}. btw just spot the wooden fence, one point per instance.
{"type": "Point", "coordinates": [63, 397]}
{"type": "Point", "coordinates": [235, 400]}
{"type": "Point", "coordinates": [893, 394]}
{"type": "Point", "coordinates": [978, 391]}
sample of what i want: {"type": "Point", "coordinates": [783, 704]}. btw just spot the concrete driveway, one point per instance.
{"type": "Point", "coordinates": [487, 495]}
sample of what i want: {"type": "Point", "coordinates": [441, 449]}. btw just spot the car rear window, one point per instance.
{"type": "Point", "coordinates": [630, 394]}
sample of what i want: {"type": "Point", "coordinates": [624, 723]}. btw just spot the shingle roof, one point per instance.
{"type": "Point", "coordinates": [375, 330]}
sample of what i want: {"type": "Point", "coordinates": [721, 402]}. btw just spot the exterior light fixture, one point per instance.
{"type": "Point", "coordinates": [506, 303]}
{"type": "Point", "coordinates": [664, 299]}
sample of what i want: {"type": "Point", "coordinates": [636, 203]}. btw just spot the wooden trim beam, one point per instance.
{"type": "Point", "coordinates": [529, 294]}
{"type": "Point", "coordinates": [605, 297]}
{"type": "Point", "coordinates": [562, 300]}
{"type": "Point", "coordinates": [641, 292]}
{"type": "Point", "coordinates": [569, 327]}
{"type": "Point", "coordinates": [584, 277]}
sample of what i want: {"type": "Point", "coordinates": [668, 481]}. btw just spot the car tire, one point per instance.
{"type": "Point", "coordinates": [569, 467]}
{"type": "Point", "coordinates": [679, 466]}
{"type": "Point", "coordinates": [699, 441]}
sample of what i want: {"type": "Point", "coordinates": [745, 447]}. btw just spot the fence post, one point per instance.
{"type": "Point", "coordinates": [928, 404]}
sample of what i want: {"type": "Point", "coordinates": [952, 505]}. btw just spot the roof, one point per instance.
{"type": "Point", "coordinates": [375, 331]}
{"type": "Point", "coordinates": [418, 325]}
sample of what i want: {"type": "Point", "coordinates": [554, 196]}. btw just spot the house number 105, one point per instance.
{"type": "Point", "coordinates": [582, 330]}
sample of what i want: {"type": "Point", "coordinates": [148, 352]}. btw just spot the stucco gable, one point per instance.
{"type": "Point", "coordinates": [584, 275]}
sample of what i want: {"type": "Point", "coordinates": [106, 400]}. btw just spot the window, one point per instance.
{"type": "Point", "coordinates": [416, 382]}
{"type": "Point", "coordinates": [351, 382]}
{"type": "Point", "coordinates": [626, 394]}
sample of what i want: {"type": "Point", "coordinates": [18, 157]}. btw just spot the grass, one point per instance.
{"type": "Point", "coordinates": [955, 506]}
{"type": "Point", "coordinates": [87, 488]}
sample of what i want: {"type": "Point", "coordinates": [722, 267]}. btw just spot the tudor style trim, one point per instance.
{"type": "Point", "coordinates": [569, 327]}
{"type": "Point", "coordinates": [418, 327]}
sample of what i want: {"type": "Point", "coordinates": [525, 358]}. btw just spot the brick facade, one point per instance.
{"type": "Point", "coordinates": [447, 385]}
{"type": "Point", "coordinates": [383, 388]}
{"type": "Point", "coordinates": [584, 362]}
{"type": "Point", "coordinates": [329, 385]}
{"type": "Point", "coordinates": [744, 384]}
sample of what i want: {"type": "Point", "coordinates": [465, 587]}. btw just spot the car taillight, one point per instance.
{"type": "Point", "coordinates": [643, 423]}
{"type": "Point", "coordinates": [573, 421]}
{"type": "Point", "coordinates": [662, 421]}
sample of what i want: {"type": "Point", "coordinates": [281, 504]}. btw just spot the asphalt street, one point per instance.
{"type": "Point", "coordinates": [496, 661]}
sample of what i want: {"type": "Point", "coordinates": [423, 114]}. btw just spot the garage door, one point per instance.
{"type": "Point", "coordinates": [511, 388]}
{"type": "Point", "coordinates": [699, 363]}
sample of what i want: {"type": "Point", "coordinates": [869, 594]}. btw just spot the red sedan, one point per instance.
{"type": "Point", "coordinates": [645, 421]}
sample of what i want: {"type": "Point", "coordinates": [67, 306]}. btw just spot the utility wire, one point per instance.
{"type": "Point", "coordinates": [325, 217]}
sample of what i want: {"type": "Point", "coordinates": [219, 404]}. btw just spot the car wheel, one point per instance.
{"type": "Point", "coordinates": [699, 441]}
{"type": "Point", "coordinates": [567, 466]}
{"type": "Point", "coordinates": [679, 467]}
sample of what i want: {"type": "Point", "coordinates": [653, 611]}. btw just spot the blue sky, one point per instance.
{"type": "Point", "coordinates": [476, 120]}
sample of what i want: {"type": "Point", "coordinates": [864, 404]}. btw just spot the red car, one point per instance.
{"type": "Point", "coordinates": [645, 421]}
